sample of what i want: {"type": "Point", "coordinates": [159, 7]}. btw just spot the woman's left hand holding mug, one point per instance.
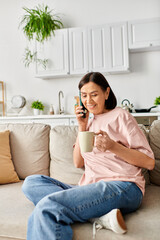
{"type": "Point", "coordinates": [103, 141]}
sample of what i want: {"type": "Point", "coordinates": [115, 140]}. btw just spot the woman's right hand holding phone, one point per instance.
{"type": "Point", "coordinates": [82, 122]}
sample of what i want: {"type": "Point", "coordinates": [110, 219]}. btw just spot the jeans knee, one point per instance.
{"type": "Point", "coordinates": [50, 207]}
{"type": "Point", "coordinates": [43, 207]}
{"type": "Point", "coordinates": [26, 187]}
{"type": "Point", "coordinates": [29, 183]}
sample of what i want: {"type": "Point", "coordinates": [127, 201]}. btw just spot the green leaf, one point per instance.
{"type": "Point", "coordinates": [30, 57]}
{"type": "Point", "coordinates": [40, 22]}
{"type": "Point", "coordinates": [37, 105]}
{"type": "Point", "coordinates": [157, 101]}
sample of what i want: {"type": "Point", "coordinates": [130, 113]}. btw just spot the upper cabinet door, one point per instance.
{"type": "Point", "coordinates": [144, 34]}
{"type": "Point", "coordinates": [56, 51]}
{"type": "Point", "coordinates": [108, 48]}
{"type": "Point", "coordinates": [98, 51]}
{"type": "Point", "coordinates": [78, 50]}
{"type": "Point", "coordinates": [117, 47]}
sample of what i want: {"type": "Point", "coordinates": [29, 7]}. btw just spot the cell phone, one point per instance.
{"type": "Point", "coordinates": [81, 104]}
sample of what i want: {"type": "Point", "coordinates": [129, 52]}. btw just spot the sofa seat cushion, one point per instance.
{"type": "Point", "coordinates": [29, 148]}
{"type": "Point", "coordinates": [15, 210]}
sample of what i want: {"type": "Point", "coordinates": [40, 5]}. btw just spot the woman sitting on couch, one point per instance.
{"type": "Point", "coordinates": [112, 184]}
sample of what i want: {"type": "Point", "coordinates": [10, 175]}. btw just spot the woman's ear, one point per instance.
{"type": "Point", "coordinates": [107, 93]}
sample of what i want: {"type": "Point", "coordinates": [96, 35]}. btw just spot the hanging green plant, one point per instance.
{"type": "Point", "coordinates": [39, 24]}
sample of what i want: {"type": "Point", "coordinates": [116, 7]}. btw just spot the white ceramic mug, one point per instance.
{"type": "Point", "coordinates": [86, 141]}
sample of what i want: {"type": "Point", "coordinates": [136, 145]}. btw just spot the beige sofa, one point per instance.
{"type": "Point", "coordinates": [37, 149]}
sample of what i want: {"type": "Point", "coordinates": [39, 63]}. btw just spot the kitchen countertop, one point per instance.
{"type": "Point", "coordinates": [55, 116]}
{"type": "Point", "coordinates": [58, 116]}
{"type": "Point", "coordinates": [145, 114]}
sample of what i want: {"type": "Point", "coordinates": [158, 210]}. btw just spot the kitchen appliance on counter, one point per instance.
{"type": "Point", "coordinates": [18, 101]}
{"type": "Point", "coordinates": [125, 104]}
{"type": "Point", "coordinates": [141, 110]}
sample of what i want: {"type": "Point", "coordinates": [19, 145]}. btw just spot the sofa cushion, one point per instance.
{"type": "Point", "coordinates": [7, 171]}
{"type": "Point", "coordinates": [145, 172]}
{"type": "Point", "coordinates": [154, 139]}
{"type": "Point", "coordinates": [15, 209]}
{"type": "Point", "coordinates": [29, 148]}
{"type": "Point", "coordinates": [62, 168]}
{"type": "Point", "coordinates": [155, 173]}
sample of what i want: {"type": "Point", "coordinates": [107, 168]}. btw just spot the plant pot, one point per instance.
{"type": "Point", "coordinates": [36, 111]}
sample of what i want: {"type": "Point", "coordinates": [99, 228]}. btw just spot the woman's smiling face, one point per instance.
{"type": "Point", "coordinates": [93, 98]}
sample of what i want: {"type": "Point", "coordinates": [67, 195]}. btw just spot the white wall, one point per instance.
{"type": "Point", "coordinates": [140, 86]}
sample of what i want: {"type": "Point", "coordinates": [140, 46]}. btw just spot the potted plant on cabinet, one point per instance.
{"type": "Point", "coordinates": [157, 103]}
{"type": "Point", "coordinates": [38, 24]}
{"type": "Point", "coordinates": [38, 107]}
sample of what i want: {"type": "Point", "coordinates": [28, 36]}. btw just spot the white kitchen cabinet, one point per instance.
{"type": "Point", "coordinates": [73, 121]}
{"type": "Point", "coordinates": [108, 48]}
{"type": "Point", "coordinates": [144, 34]}
{"type": "Point", "coordinates": [98, 48]}
{"type": "Point", "coordinates": [52, 122]}
{"type": "Point", "coordinates": [78, 50]}
{"type": "Point", "coordinates": [118, 48]}
{"type": "Point", "coordinates": [56, 50]}
{"type": "Point", "coordinates": [102, 48]}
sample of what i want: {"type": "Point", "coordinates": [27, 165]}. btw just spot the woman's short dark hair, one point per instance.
{"type": "Point", "coordinates": [100, 80]}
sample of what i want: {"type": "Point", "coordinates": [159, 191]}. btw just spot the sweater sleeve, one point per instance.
{"type": "Point", "coordinates": [136, 139]}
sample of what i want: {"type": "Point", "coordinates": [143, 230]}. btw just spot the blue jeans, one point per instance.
{"type": "Point", "coordinates": [58, 205]}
